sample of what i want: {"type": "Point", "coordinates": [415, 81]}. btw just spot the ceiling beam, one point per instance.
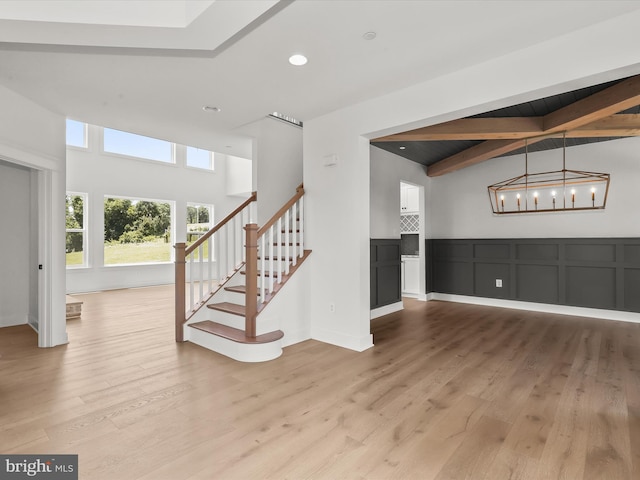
{"type": "Point", "coordinates": [621, 96]}
{"type": "Point", "coordinates": [472, 129]}
{"type": "Point", "coordinates": [503, 128]}
{"type": "Point", "coordinates": [621, 125]}
{"type": "Point", "coordinates": [604, 103]}
{"type": "Point", "coordinates": [476, 154]}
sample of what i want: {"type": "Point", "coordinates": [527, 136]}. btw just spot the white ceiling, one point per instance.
{"type": "Point", "coordinates": [233, 55]}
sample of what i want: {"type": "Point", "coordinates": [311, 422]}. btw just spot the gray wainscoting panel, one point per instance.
{"type": "Point", "coordinates": [632, 289]}
{"type": "Point", "coordinates": [385, 281]}
{"type": "Point", "coordinates": [492, 250]}
{"type": "Point", "coordinates": [485, 278]}
{"type": "Point", "coordinates": [590, 253]}
{"type": "Point", "coordinates": [533, 251]}
{"type": "Point", "coordinates": [585, 272]}
{"type": "Point", "coordinates": [453, 277]}
{"type": "Point", "coordinates": [591, 287]}
{"type": "Point", "coordinates": [537, 283]}
{"type": "Point", "coordinates": [632, 254]}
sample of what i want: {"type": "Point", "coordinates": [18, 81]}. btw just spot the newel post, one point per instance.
{"type": "Point", "coordinates": [181, 266]}
{"type": "Point", "coordinates": [251, 277]}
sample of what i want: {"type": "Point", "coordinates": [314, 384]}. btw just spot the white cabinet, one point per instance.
{"type": "Point", "coordinates": [409, 199]}
{"type": "Point", "coordinates": [410, 274]}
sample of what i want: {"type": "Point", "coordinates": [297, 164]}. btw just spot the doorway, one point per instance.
{"type": "Point", "coordinates": [412, 240]}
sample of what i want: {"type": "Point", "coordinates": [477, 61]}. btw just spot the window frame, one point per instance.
{"type": "Point", "coordinates": [103, 150]}
{"type": "Point", "coordinates": [212, 155]}
{"type": "Point", "coordinates": [85, 126]}
{"type": "Point", "coordinates": [171, 231]}
{"type": "Point", "coordinates": [83, 230]}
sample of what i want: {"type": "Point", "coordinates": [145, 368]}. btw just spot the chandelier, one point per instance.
{"type": "Point", "coordinates": [557, 191]}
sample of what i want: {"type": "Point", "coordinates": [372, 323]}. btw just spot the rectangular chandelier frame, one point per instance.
{"type": "Point", "coordinates": [555, 191]}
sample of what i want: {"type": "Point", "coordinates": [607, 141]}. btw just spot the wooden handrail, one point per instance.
{"type": "Point", "coordinates": [219, 225]}
{"type": "Point", "coordinates": [279, 213]}
{"type": "Point", "coordinates": [180, 273]}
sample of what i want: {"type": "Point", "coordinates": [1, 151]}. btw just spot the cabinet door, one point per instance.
{"type": "Point", "coordinates": [411, 275]}
{"type": "Point", "coordinates": [403, 199]}
{"type": "Point", "coordinates": [413, 200]}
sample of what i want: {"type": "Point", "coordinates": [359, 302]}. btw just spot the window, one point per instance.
{"type": "Point", "coordinates": [198, 158]}
{"type": "Point", "coordinates": [76, 134]}
{"type": "Point", "coordinates": [76, 222]}
{"type": "Point", "coordinates": [136, 231]}
{"type": "Point", "coordinates": [199, 222]}
{"type": "Point", "coordinates": [132, 145]}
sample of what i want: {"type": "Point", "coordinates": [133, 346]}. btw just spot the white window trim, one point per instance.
{"type": "Point", "coordinates": [84, 230]}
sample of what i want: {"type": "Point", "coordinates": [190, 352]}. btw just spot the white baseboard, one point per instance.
{"type": "Point", "coordinates": [386, 310]}
{"type": "Point", "coordinates": [359, 344]}
{"type": "Point", "coordinates": [615, 315]}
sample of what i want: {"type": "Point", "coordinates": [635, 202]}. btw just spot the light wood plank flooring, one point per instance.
{"type": "Point", "coordinates": [449, 391]}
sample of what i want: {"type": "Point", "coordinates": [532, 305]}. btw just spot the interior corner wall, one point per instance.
{"type": "Point", "coordinates": [239, 175]}
{"type": "Point", "coordinates": [460, 204]}
{"type": "Point", "coordinates": [337, 226]}
{"type": "Point", "coordinates": [387, 171]}
{"type": "Point", "coordinates": [277, 164]}
{"type": "Point", "coordinates": [34, 137]}
{"type": "Point", "coordinates": [15, 252]}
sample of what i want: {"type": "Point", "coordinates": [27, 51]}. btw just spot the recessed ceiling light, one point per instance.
{"type": "Point", "coordinates": [208, 108]}
{"type": "Point", "coordinates": [402, 147]}
{"type": "Point", "coordinates": [298, 60]}
{"type": "Point", "coordinates": [369, 35]}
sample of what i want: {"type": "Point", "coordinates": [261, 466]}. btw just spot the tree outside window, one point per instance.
{"type": "Point", "coordinates": [75, 227]}
{"type": "Point", "coordinates": [136, 231]}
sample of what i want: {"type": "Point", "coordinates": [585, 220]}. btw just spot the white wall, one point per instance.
{"type": "Point", "coordinates": [387, 171]}
{"type": "Point", "coordinates": [15, 247]}
{"type": "Point", "coordinates": [34, 137]}
{"type": "Point", "coordinates": [100, 174]}
{"type": "Point", "coordinates": [277, 163]}
{"type": "Point", "coordinates": [337, 220]}
{"type": "Point", "coordinates": [239, 175]}
{"type": "Point", "coordinates": [461, 209]}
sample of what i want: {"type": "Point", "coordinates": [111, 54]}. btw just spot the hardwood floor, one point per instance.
{"type": "Point", "coordinates": [449, 391]}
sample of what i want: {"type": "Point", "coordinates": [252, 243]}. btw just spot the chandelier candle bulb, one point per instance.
{"type": "Point", "coordinates": [573, 197]}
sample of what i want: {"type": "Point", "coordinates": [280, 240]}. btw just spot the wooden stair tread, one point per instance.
{"type": "Point", "coordinates": [238, 289]}
{"type": "Point", "coordinates": [228, 307]}
{"type": "Point", "coordinates": [234, 334]}
{"type": "Point", "coordinates": [275, 274]}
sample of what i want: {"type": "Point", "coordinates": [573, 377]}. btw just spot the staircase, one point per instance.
{"type": "Point", "coordinates": [229, 276]}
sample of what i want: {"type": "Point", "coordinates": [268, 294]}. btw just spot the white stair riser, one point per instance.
{"type": "Point", "coordinates": [242, 352]}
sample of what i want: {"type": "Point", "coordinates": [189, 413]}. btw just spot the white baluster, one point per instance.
{"type": "Point", "coordinates": [287, 240]}
{"type": "Point", "coordinates": [279, 250]}
{"type": "Point", "coordinates": [301, 225]}
{"type": "Point", "coordinates": [201, 267]}
{"type": "Point", "coordinates": [192, 290]}
{"type": "Point", "coordinates": [210, 264]}
{"type": "Point", "coordinates": [263, 252]}
{"type": "Point", "coordinates": [272, 240]}
{"type": "Point", "coordinates": [216, 246]}
{"type": "Point", "coordinates": [294, 215]}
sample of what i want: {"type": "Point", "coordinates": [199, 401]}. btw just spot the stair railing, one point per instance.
{"type": "Point", "coordinates": [271, 251]}
{"type": "Point", "coordinates": [206, 265]}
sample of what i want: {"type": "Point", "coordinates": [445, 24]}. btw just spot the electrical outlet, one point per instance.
{"type": "Point", "coordinates": [499, 282]}
{"type": "Point", "coordinates": [332, 307]}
